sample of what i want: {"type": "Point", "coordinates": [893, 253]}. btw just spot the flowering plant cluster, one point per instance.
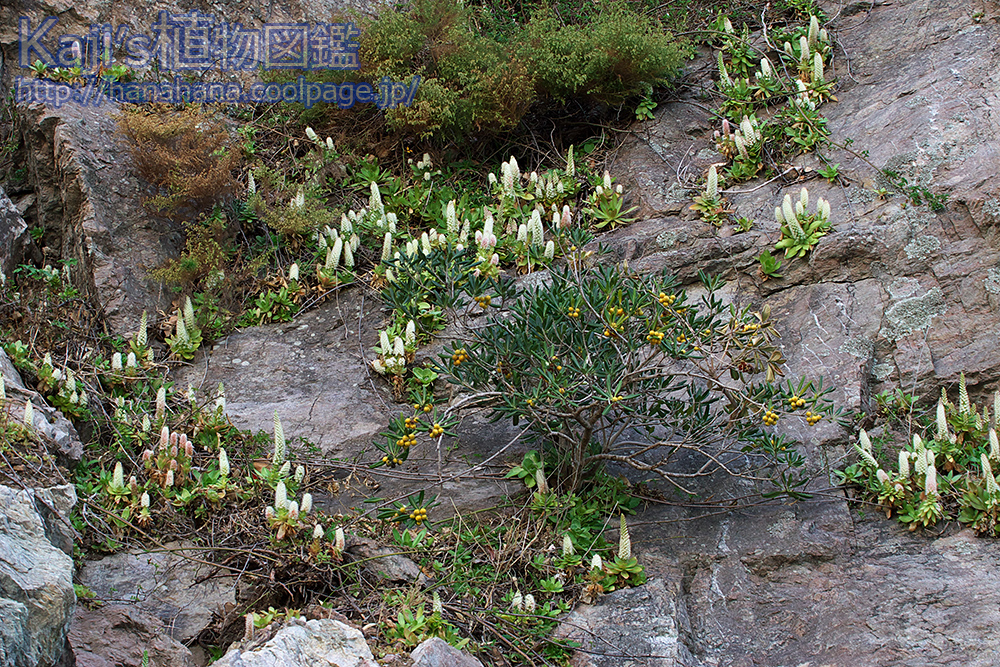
{"type": "Point", "coordinates": [801, 230]}
{"type": "Point", "coordinates": [751, 81]}
{"type": "Point", "coordinates": [944, 474]}
{"type": "Point", "coordinates": [62, 388]}
{"type": "Point", "coordinates": [187, 334]}
{"type": "Point", "coordinates": [287, 517]}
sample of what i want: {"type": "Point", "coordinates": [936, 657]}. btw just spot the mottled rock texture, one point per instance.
{"type": "Point", "coordinates": [36, 579]}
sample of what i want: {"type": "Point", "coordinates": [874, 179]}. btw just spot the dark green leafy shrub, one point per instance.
{"type": "Point", "coordinates": [608, 59]}
{"type": "Point", "coordinates": [474, 82]}
{"type": "Point", "coordinates": [609, 366]}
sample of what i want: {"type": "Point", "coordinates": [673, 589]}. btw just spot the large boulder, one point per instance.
{"type": "Point", "coordinates": [88, 201]}
{"type": "Point", "coordinates": [120, 636]}
{"type": "Point", "coordinates": [311, 371]}
{"type": "Point", "coordinates": [182, 593]}
{"type": "Point", "coordinates": [316, 643]}
{"type": "Point", "coordinates": [36, 582]}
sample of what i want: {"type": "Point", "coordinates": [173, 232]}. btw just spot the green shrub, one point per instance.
{"type": "Point", "coordinates": [607, 59]}
{"type": "Point", "coordinates": [609, 366]}
{"type": "Point", "coordinates": [204, 255]}
{"type": "Point", "coordinates": [475, 82]}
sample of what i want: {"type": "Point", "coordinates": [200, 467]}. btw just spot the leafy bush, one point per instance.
{"type": "Point", "coordinates": [474, 82]}
{"type": "Point", "coordinates": [204, 254]}
{"type": "Point", "coordinates": [608, 366]}
{"type": "Point", "coordinates": [608, 58]}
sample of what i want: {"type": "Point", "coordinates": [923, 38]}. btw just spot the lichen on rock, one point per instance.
{"type": "Point", "coordinates": [913, 314]}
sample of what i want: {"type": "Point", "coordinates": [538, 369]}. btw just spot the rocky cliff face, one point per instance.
{"type": "Point", "coordinates": [896, 294]}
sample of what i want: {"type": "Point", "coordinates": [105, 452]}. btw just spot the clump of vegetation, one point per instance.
{"type": "Point", "coordinates": [711, 206]}
{"type": "Point", "coordinates": [185, 155]}
{"type": "Point", "coordinates": [474, 82]}
{"type": "Point", "coordinates": [598, 355]}
{"type": "Point", "coordinates": [204, 257]}
{"type": "Point", "coordinates": [801, 230]}
{"type": "Point", "coordinates": [945, 474]}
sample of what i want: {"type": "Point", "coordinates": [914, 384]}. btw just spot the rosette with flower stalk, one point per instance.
{"type": "Point", "coordinates": [626, 566]}
{"type": "Point", "coordinates": [116, 489]}
{"type": "Point", "coordinates": [170, 463]}
{"type": "Point", "coordinates": [530, 247]}
{"type": "Point", "coordinates": [280, 468]}
{"type": "Point", "coordinates": [138, 347]}
{"type": "Point", "coordinates": [216, 482]}
{"type": "Point", "coordinates": [710, 205]}
{"type": "Point", "coordinates": [287, 517]}
{"type": "Point", "coordinates": [391, 361]}
{"type": "Point", "coordinates": [929, 510]}
{"type": "Point", "coordinates": [981, 501]}
{"type": "Point", "coordinates": [187, 335]}
{"type": "Point", "coordinates": [893, 493]}
{"type": "Point", "coordinates": [144, 518]}
{"type": "Point", "coordinates": [606, 204]}
{"type": "Point", "coordinates": [800, 230]}
{"type": "Point", "coordinates": [486, 242]}
{"type": "Point", "coordinates": [211, 420]}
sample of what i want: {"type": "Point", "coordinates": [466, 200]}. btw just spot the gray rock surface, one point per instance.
{"type": "Point", "coordinates": [385, 562]}
{"type": "Point", "coordinates": [897, 293]}
{"type": "Point", "coordinates": [436, 652]}
{"type": "Point", "coordinates": [314, 371]}
{"type": "Point", "coordinates": [36, 586]}
{"type": "Point", "coordinates": [88, 200]}
{"type": "Point", "coordinates": [119, 635]}
{"type": "Point", "coordinates": [54, 505]}
{"type": "Point", "coordinates": [315, 643]}
{"type": "Point", "coordinates": [646, 625]}
{"type": "Point", "coordinates": [15, 242]}
{"type": "Point", "coordinates": [310, 370]}
{"type": "Point", "coordinates": [786, 585]}
{"type": "Point", "coordinates": [182, 593]}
